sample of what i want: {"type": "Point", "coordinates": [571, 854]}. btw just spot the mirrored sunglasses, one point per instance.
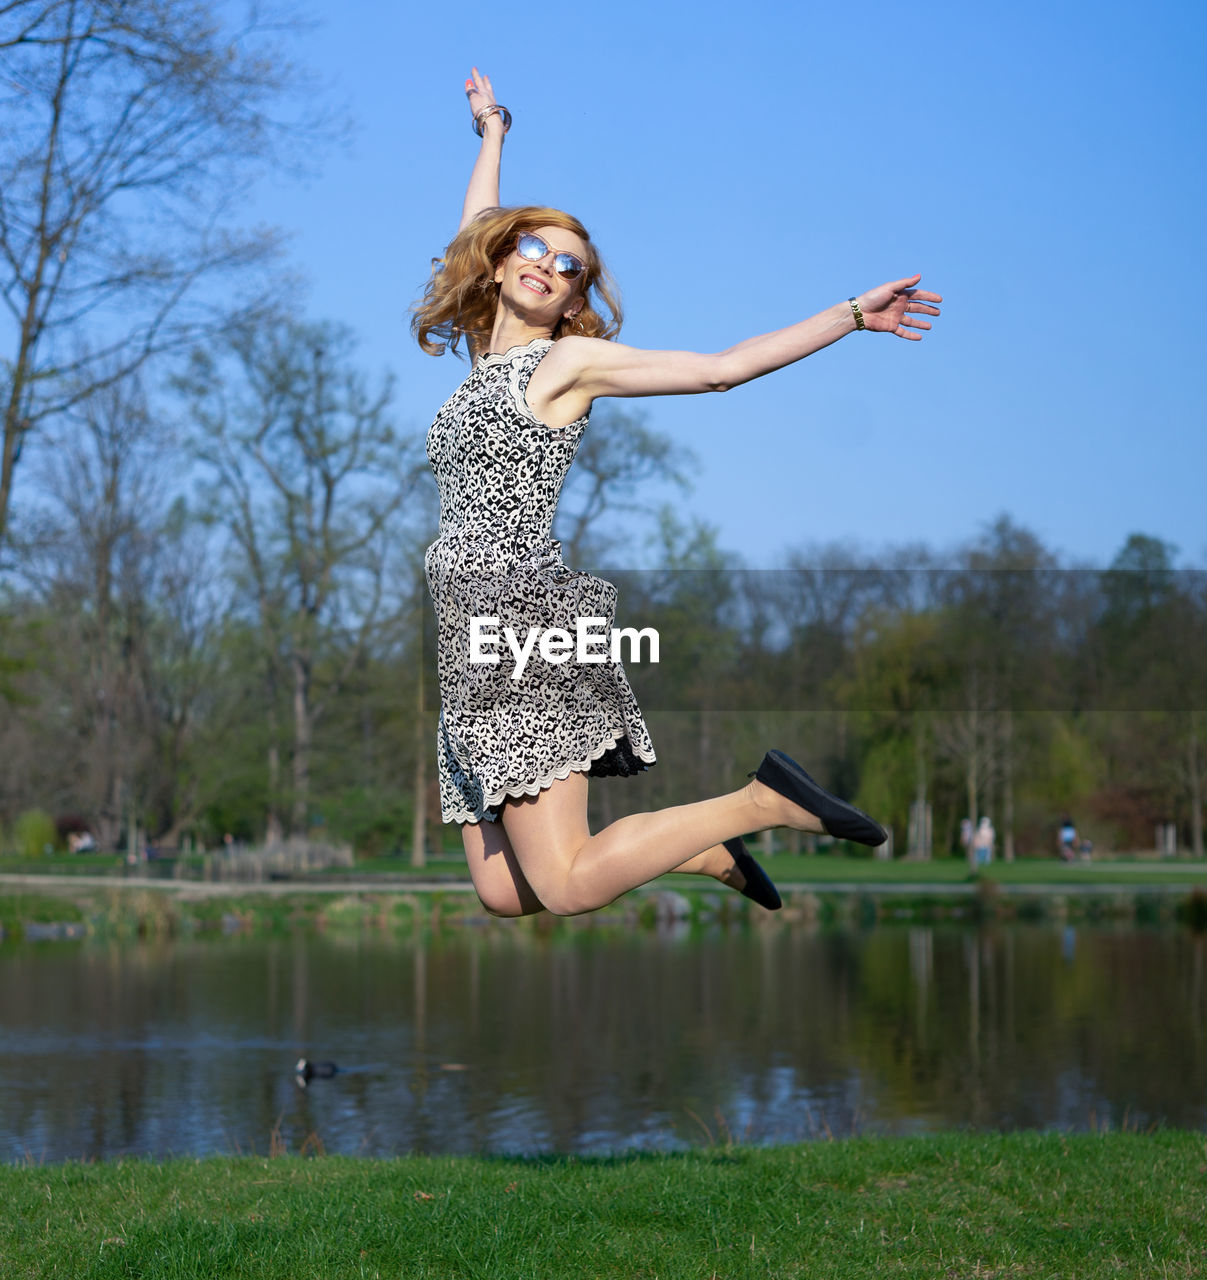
{"type": "Point", "coordinates": [532, 248]}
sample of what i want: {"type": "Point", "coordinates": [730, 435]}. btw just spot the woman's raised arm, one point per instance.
{"type": "Point", "coordinates": [483, 190]}
{"type": "Point", "coordinates": [587, 368]}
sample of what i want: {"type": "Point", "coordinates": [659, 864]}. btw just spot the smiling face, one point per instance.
{"type": "Point", "coordinates": [534, 290]}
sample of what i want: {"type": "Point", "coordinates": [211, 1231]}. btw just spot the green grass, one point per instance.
{"type": "Point", "coordinates": [828, 868]}
{"type": "Point", "coordinates": [447, 864]}
{"type": "Point", "coordinates": [824, 869]}
{"type": "Point", "coordinates": [954, 1205]}
{"type": "Point", "coordinates": [816, 869]}
{"type": "Point", "coordinates": [66, 864]}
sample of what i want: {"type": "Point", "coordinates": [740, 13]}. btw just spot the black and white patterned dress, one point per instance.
{"type": "Point", "coordinates": [500, 472]}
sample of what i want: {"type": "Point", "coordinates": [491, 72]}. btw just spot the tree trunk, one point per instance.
{"type": "Point", "coordinates": [1196, 787]}
{"type": "Point", "coordinates": [703, 754]}
{"type": "Point", "coordinates": [920, 845]}
{"type": "Point", "coordinates": [132, 845]}
{"type": "Point", "coordinates": [107, 760]}
{"type": "Point", "coordinates": [274, 832]}
{"type": "Point", "coordinates": [303, 730]}
{"type": "Point", "coordinates": [971, 782]}
{"type": "Point", "coordinates": [274, 829]}
{"type": "Point", "coordinates": [1008, 786]}
{"type": "Point", "coordinates": [419, 817]}
{"type": "Point", "coordinates": [9, 450]}
{"type": "Point", "coordinates": [16, 424]}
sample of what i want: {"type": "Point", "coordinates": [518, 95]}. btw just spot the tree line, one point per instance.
{"type": "Point", "coordinates": [257, 656]}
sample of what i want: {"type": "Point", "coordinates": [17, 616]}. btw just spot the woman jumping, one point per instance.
{"type": "Point", "coordinates": [526, 290]}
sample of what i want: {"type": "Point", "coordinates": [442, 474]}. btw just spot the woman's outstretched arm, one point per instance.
{"type": "Point", "coordinates": [590, 367]}
{"type": "Point", "coordinates": [483, 190]}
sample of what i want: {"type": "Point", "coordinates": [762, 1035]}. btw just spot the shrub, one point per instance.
{"type": "Point", "coordinates": [1194, 911]}
{"type": "Point", "coordinates": [34, 834]}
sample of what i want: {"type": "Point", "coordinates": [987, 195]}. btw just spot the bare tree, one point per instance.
{"type": "Point", "coordinates": [130, 127]}
{"type": "Point", "coordinates": [122, 583]}
{"type": "Point", "coordinates": [308, 477]}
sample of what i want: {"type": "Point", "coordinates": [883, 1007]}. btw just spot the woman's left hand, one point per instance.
{"type": "Point", "coordinates": [897, 308]}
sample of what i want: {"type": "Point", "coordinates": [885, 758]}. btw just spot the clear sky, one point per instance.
{"type": "Point", "coordinates": [745, 165]}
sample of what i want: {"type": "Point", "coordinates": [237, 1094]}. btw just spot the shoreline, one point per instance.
{"type": "Point", "coordinates": [43, 907]}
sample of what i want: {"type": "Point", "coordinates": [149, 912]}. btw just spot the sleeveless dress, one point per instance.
{"type": "Point", "coordinates": [500, 472]}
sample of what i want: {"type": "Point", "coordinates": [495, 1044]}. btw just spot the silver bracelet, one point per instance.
{"type": "Point", "coordinates": [494, 109]}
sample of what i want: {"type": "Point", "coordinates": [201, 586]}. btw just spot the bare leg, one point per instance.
{"type": "Point", "coordinates": [503, 891]}
{"type": "Point", "coordinates": [496, 874]}
{"type": "Point", "coordinates": [716, 862]}
{"type": "Point", "coordinates": [572, 871]}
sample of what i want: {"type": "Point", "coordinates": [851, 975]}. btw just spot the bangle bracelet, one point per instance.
{"type": "Point", "coordinates": [494, 109]}
{"type": "Point", "coordinates": [859, 322]}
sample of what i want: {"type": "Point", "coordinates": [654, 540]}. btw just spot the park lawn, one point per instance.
{"type": "Point", "coordinates": [64, 864]}
{"type": "Point", "coordinates": [1106, 873]}
{"type": "Point", "coordinates": [787, 870]}
{"type": "Point", "coordinates": [951, 1205]}
{"type": "Point", "coordinates": [821, 869]}
{"type": "Point", "coordinates": [827, 868]}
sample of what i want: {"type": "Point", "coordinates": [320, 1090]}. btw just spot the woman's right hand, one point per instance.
{"type": "Point", "coordinates": [481, 94]}
{"type": "Point", "coordinates": [483, 190]}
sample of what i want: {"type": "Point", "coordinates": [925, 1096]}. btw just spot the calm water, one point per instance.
{"type": "Point", "coordinates": [505, 1041]}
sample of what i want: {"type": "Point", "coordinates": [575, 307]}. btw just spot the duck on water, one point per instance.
{"type": "Point", "coordinates": [305, 1070]}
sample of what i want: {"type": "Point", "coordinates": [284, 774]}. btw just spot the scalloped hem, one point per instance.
{"type": "Point", "coordinates": [495, 799]}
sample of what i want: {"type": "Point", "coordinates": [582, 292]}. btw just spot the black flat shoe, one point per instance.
{"type": "Point", "coordinates": [841, 820]}
{"type": "Point", "coordinates": [758, 887]}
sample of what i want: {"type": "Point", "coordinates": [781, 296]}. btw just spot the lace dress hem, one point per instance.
{"type": "Point", "coordinates": [637, 759]}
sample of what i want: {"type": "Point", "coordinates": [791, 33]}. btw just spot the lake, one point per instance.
{"type": "Point", "coordinates": [507, 1040]}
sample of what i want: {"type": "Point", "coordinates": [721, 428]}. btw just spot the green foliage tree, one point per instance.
{"type": "Point", "coordinates": [1149, 653]}
{"type": "Point", "coordinates": [34, 833]}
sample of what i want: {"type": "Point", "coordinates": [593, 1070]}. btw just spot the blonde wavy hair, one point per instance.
{"type": "Point", "coordinates": [461, 297]}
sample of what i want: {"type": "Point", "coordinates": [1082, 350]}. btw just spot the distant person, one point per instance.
{"type": "Point", "coordinates": [965, 835]}
{"type": "Point", "coordinates": [982, 842]}
{"type": "Point", "coordinates": [1068, 839]}
{"type": "Point", "coordinates": [526, 291]}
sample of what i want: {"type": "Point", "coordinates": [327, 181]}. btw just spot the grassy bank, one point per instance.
{"type": "Point", "coordinates": [798, 869]}
{"type": "Point", "coordinates": [958, 1205]}
{"type": "Point", "coordinates": [71, 912]}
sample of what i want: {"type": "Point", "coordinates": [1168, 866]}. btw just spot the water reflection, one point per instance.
{"type": "Point", "coordinates": [510, 1041]}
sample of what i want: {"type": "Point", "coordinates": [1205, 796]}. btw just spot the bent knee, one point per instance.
{"type": "Point", "coordinates": [566, 902]}
{"type": "Point", "coordinates": [506, 906]}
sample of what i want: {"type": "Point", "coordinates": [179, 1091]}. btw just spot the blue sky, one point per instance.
{"type": "Point", "coordinates": [743, 166]}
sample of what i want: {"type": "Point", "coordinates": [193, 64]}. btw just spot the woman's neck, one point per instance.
{"type": "Point", "coordinates": [512, 331]}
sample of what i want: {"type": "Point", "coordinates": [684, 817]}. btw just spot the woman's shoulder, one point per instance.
{"type": "Point", "coordinates": [577, 351]}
